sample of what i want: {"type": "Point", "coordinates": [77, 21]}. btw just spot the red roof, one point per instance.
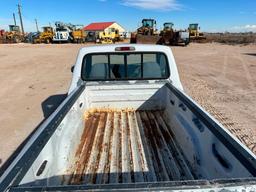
{"type": "Point", "coordinates": [98, 26]}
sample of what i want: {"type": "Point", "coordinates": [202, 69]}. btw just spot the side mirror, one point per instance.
{"type": "Point", "coordinates": [72, 68]}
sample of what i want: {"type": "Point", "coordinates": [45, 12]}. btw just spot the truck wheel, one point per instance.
{"type": "Point", "coordinates": [47, 41]}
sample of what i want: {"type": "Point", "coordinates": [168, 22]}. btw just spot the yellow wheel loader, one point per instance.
{"type": "Point", "coordinates": [169, 36]}
{"type": "Point", "coordinates": [45, 36]}
{"type": "Point", "coordinates": [194, 33]}
{"type": "Point", "coordinates": [147, 33]}
{"type": "Point", "coordinates": [14, 35]}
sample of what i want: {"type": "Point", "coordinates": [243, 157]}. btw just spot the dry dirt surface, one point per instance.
{"type": "Point", "coordinates": [35, 78]}
{"type": "Point", "coordinates": [231, 38]}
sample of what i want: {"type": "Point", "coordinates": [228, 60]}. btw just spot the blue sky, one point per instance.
{"type": "Point", "coordinates": [213, 15]}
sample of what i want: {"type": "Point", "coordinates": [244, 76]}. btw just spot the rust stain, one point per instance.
{"type": "Point", "coordinates": [107, 166]}
{"type": "Point", "coordinates": [82, 162]}
{"type": "Point", "coordinates": [96, 119]}
{"type": "Point", "coordinates": [130, 147]}
{"type": "Point", "coordinates": [149, 136]}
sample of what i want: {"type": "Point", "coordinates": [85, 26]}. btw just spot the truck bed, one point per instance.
{"type": "Point", "coordinates": [127, 146]}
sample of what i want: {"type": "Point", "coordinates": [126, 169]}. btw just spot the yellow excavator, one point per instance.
{"type": "Point", "coordinates": [194, 33]}
{"type": "Point", "coordinates": [147, 33]}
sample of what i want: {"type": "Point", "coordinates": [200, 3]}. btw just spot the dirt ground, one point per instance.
{"type": "Point", "coordinates": [35, 78]}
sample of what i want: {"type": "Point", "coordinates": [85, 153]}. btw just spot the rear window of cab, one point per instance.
{"type": "Point", "coordinates": [125, 66]}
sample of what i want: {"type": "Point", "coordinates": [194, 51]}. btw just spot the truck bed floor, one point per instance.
{"type": "Point", "coordinates": [128, 147]}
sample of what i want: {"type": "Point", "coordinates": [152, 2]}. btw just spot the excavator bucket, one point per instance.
{"type": "Point", "coordinates": [147, 39]}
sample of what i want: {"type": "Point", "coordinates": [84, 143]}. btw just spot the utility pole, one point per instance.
{"type": "Point", "coordinates": [36, 25]}
{"type": "Point", "coordinates": [14, 19]}
{"type": "Point", "coordinates": [21, 23]}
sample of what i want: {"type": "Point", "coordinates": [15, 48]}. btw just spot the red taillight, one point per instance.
{"type": "Point", "coordinates": [125, 48]}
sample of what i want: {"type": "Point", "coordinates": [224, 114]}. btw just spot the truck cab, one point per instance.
{"type": "Point", "coordinates": [63, 32]}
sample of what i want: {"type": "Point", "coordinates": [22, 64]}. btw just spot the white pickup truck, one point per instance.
{"type": "Point", "coordinates": [127, 125]}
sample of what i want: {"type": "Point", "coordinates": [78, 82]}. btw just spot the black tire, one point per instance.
{"type": "Point", "coordinates": [187, 42]}
{"type": "Point", "coordinates": [47, 41]}
{"type": "Point", "coordinates": [33, 41]}
{"type": "Point", "coordinates": [133, 40]}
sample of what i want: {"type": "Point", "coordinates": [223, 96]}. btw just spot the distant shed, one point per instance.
{"type": "Point", "coordinates": [104, 26]}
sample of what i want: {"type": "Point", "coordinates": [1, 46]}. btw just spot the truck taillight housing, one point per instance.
{"type": "Point", "coordinates": [125, 49]}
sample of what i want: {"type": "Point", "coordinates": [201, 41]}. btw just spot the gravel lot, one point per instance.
{"type": "Point", "coordinates": [35, 78]}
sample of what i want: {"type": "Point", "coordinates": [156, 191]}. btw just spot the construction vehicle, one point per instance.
{"type": "Point", "coordinates": [194, 33]}
{"type": "Point", "coordinates": [111, 36]}
{"type": "Point", "coordinates": [169, 36]}
{"type": "Point", "coordinates": [44, 37]}
{"type": "Point", "coordinates": [2, 32]}
{"type": "Point", "coordinates": [91, 36]}
{"type": "Point", "coordinates": [29, 38]}
{"type": "Point", "coordinates": [128, 125]}
{"type": "Point", "coordinates": [78, 34]}
{"type": "Point", "coordinates": [67, 32]}
{"type": "Point", "coordinates": [63, 32]}
{"type": "Point", "coordinates": [147, 33]}
{"type": "Point", "coordinates": [148, 27]}
{"type": "Point", "coordinates": [2, 35]}
{"type": "Point", "coordinates": [14, 34]}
